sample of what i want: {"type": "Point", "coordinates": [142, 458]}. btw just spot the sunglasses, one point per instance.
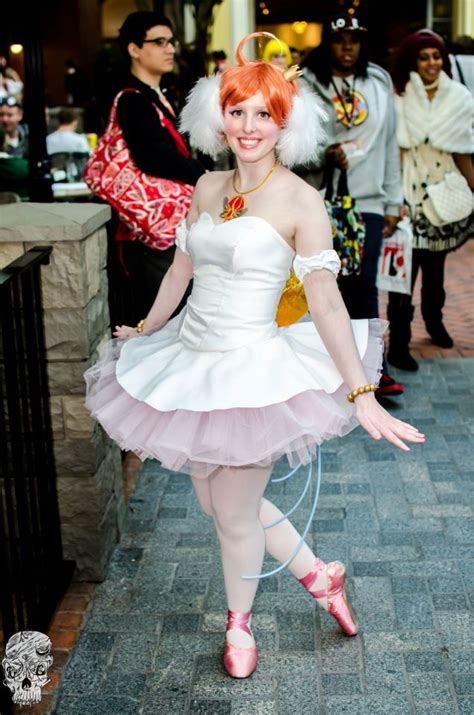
{"type": "Point", "coordinates": [163, 41]}
{"type": "Point", "coordinates": [9, 102]}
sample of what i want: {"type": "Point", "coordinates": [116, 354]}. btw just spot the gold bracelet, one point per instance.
{"type": "Point", "coordinates": [140, 326]}
{"type": "Point", "coordinates": [360, 391]}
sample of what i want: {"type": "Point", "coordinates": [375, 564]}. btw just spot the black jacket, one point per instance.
{"type": "Point", "coordinates": [152, 147]}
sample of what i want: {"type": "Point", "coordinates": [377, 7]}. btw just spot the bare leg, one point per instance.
{"type": "Point", "coordinates": [201, 489]}
{"type": "Point", "coordinates": [280, 540]}
{"type": "Point", "coordinates": [236, 494]}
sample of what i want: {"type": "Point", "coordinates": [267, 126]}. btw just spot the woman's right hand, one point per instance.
{"type": "Point", "coordinates": [338, 156]}
{"type": "Point", "coordinates": [380, 424]}
{"type": "Point", "coordinates": [124, 332]}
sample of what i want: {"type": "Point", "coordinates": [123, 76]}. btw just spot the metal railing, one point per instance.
{"type": "Point", "coordinates": [32, 570]}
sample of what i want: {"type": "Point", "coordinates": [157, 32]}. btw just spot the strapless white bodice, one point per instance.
{"type": "Point", "coordinates": [221, 384]}
{"type": "Point", "coordinates": [240, 269]}
{"type": "Point", "coordinates": [225, 349]}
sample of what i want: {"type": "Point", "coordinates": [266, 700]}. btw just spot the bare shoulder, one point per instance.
{"type": "Point", "coordinates": [304, 194]}
{"type": "Point", "coordinates": [302, 197]}
{"type": "Point", "coordinates": [298, 189]}
{"type": "Point", "coordinates": [212, 180]}
{"type": "Point", "coordinates": [311, 223]}
{"type": "Point", "coordinates": [207, 185]}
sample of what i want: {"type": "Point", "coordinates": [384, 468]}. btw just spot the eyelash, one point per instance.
{"type": "Point", "coordinates": [238, 113]}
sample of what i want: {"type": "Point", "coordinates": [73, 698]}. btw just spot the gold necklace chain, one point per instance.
{"type": "Point", "coordinates": [250, 191]}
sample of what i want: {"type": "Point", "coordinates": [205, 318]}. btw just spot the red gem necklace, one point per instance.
{"type": "Point", "coordinates": [236, 205]}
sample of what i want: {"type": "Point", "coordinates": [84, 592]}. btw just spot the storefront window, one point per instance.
{"type": "Point", "coordinates": [440, 16]}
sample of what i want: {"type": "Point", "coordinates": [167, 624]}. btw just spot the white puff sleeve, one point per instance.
{"type": "Point", "coordinates": [181, 236]}
{"type": "Point", "coordinates": [327, 259]}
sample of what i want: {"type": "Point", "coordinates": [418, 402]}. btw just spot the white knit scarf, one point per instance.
{"type": "Point", "coordinates": [445, 121]}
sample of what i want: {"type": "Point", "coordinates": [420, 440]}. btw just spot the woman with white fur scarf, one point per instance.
{"type": "Point", "coordinates": [434, 120]}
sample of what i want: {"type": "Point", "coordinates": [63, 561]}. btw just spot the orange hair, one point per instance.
{"type": "Point", "coordinates": [248, 78]}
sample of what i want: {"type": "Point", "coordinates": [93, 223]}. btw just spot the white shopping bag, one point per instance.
{"type": "Point", "coordinates": [394, 268]}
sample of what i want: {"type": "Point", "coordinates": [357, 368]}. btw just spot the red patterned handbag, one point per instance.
{"type": "Point", "coordinates": [151, 207]}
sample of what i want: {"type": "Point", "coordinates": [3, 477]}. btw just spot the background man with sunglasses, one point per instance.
{"type": "Point", "coordinates": [16, 134]}
{"type": "Point", "coordinates": [147, 42]}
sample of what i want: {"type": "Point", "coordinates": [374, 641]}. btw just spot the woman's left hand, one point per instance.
{"type": "Point", "coordinates": [124, 332]}
{"type": "Point", "coordinates": [381, 425]}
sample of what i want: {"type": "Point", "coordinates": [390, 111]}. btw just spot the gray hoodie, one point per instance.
{"type": "Point", "coordinates": [375, 180]}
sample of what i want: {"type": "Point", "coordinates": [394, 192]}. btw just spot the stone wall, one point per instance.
{"type": "Point", "coordinates": [76, 318]}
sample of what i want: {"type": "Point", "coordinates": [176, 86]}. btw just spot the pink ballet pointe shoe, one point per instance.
{"type": "Point", "coordinates": [338, 604]}
{"type": "Point", "coordinates": [239, 662]}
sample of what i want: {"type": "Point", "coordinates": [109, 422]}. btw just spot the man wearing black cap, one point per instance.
{"type": "Point", "coordinates": [360, 137]}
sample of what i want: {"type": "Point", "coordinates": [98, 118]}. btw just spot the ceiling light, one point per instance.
{"type": "Point", "coordinates": [300, 27]}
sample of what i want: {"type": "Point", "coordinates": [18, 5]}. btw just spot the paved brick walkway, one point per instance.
{"type": "Point", "coordinates": [404, 526]}
{"type": "Point", "coordinates": [459, 316]}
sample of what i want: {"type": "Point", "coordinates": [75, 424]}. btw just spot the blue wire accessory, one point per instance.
{"type": "Point", "coordinates": [282, 518]}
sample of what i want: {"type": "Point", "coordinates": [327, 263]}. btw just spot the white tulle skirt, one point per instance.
{"type": "Point", "coordinates": [197, 441]}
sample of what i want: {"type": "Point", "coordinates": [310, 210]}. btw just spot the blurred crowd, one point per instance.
{"type": "Point", "coordinates": [67, 145]}
{"type": "Point", "coordinates": [381, 131]}
{"type": "Point", "coordinates": [369, 112]}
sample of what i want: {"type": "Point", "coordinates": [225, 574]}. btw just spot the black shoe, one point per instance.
{"type": "Point", "coordinates": [440, 336]}
{"type": "Point", "coordinates": [402, 360]}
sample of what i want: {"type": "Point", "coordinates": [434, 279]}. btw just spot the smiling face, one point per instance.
{"type": "Point", "coordinates": [345, 50]}
{"type": "Point", "coordinates": [250, 130]}
{"type": "Point", "coordinates": [429, 64]}
{"type": "Point", "coordinates": [156, 55]}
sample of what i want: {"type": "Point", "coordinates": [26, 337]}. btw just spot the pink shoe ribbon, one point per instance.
{"type": "Point", "coordinates": [311, 577]}
{"type": "Point", "coordinates": [239, 621]}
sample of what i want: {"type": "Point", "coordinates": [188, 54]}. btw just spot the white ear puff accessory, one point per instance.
{"type": "Point", "coordinates": [202, 117]}
{"type": "Point", "coordinates": [303, 133]}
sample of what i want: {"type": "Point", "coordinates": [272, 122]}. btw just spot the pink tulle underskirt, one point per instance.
{"type": "Point", "coordinates": [200, 442]}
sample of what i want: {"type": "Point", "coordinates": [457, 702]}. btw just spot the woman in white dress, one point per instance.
{"type": "Point", "coordinates": [220, 391]}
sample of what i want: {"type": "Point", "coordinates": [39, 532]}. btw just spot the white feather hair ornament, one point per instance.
{"type": "Point", "coordinates": [300, 140]}
{"type": "Point", "coordinates": [202, 117]}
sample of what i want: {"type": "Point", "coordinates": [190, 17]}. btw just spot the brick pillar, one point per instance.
{"type": "Point", "coordinates": [76, 317]}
